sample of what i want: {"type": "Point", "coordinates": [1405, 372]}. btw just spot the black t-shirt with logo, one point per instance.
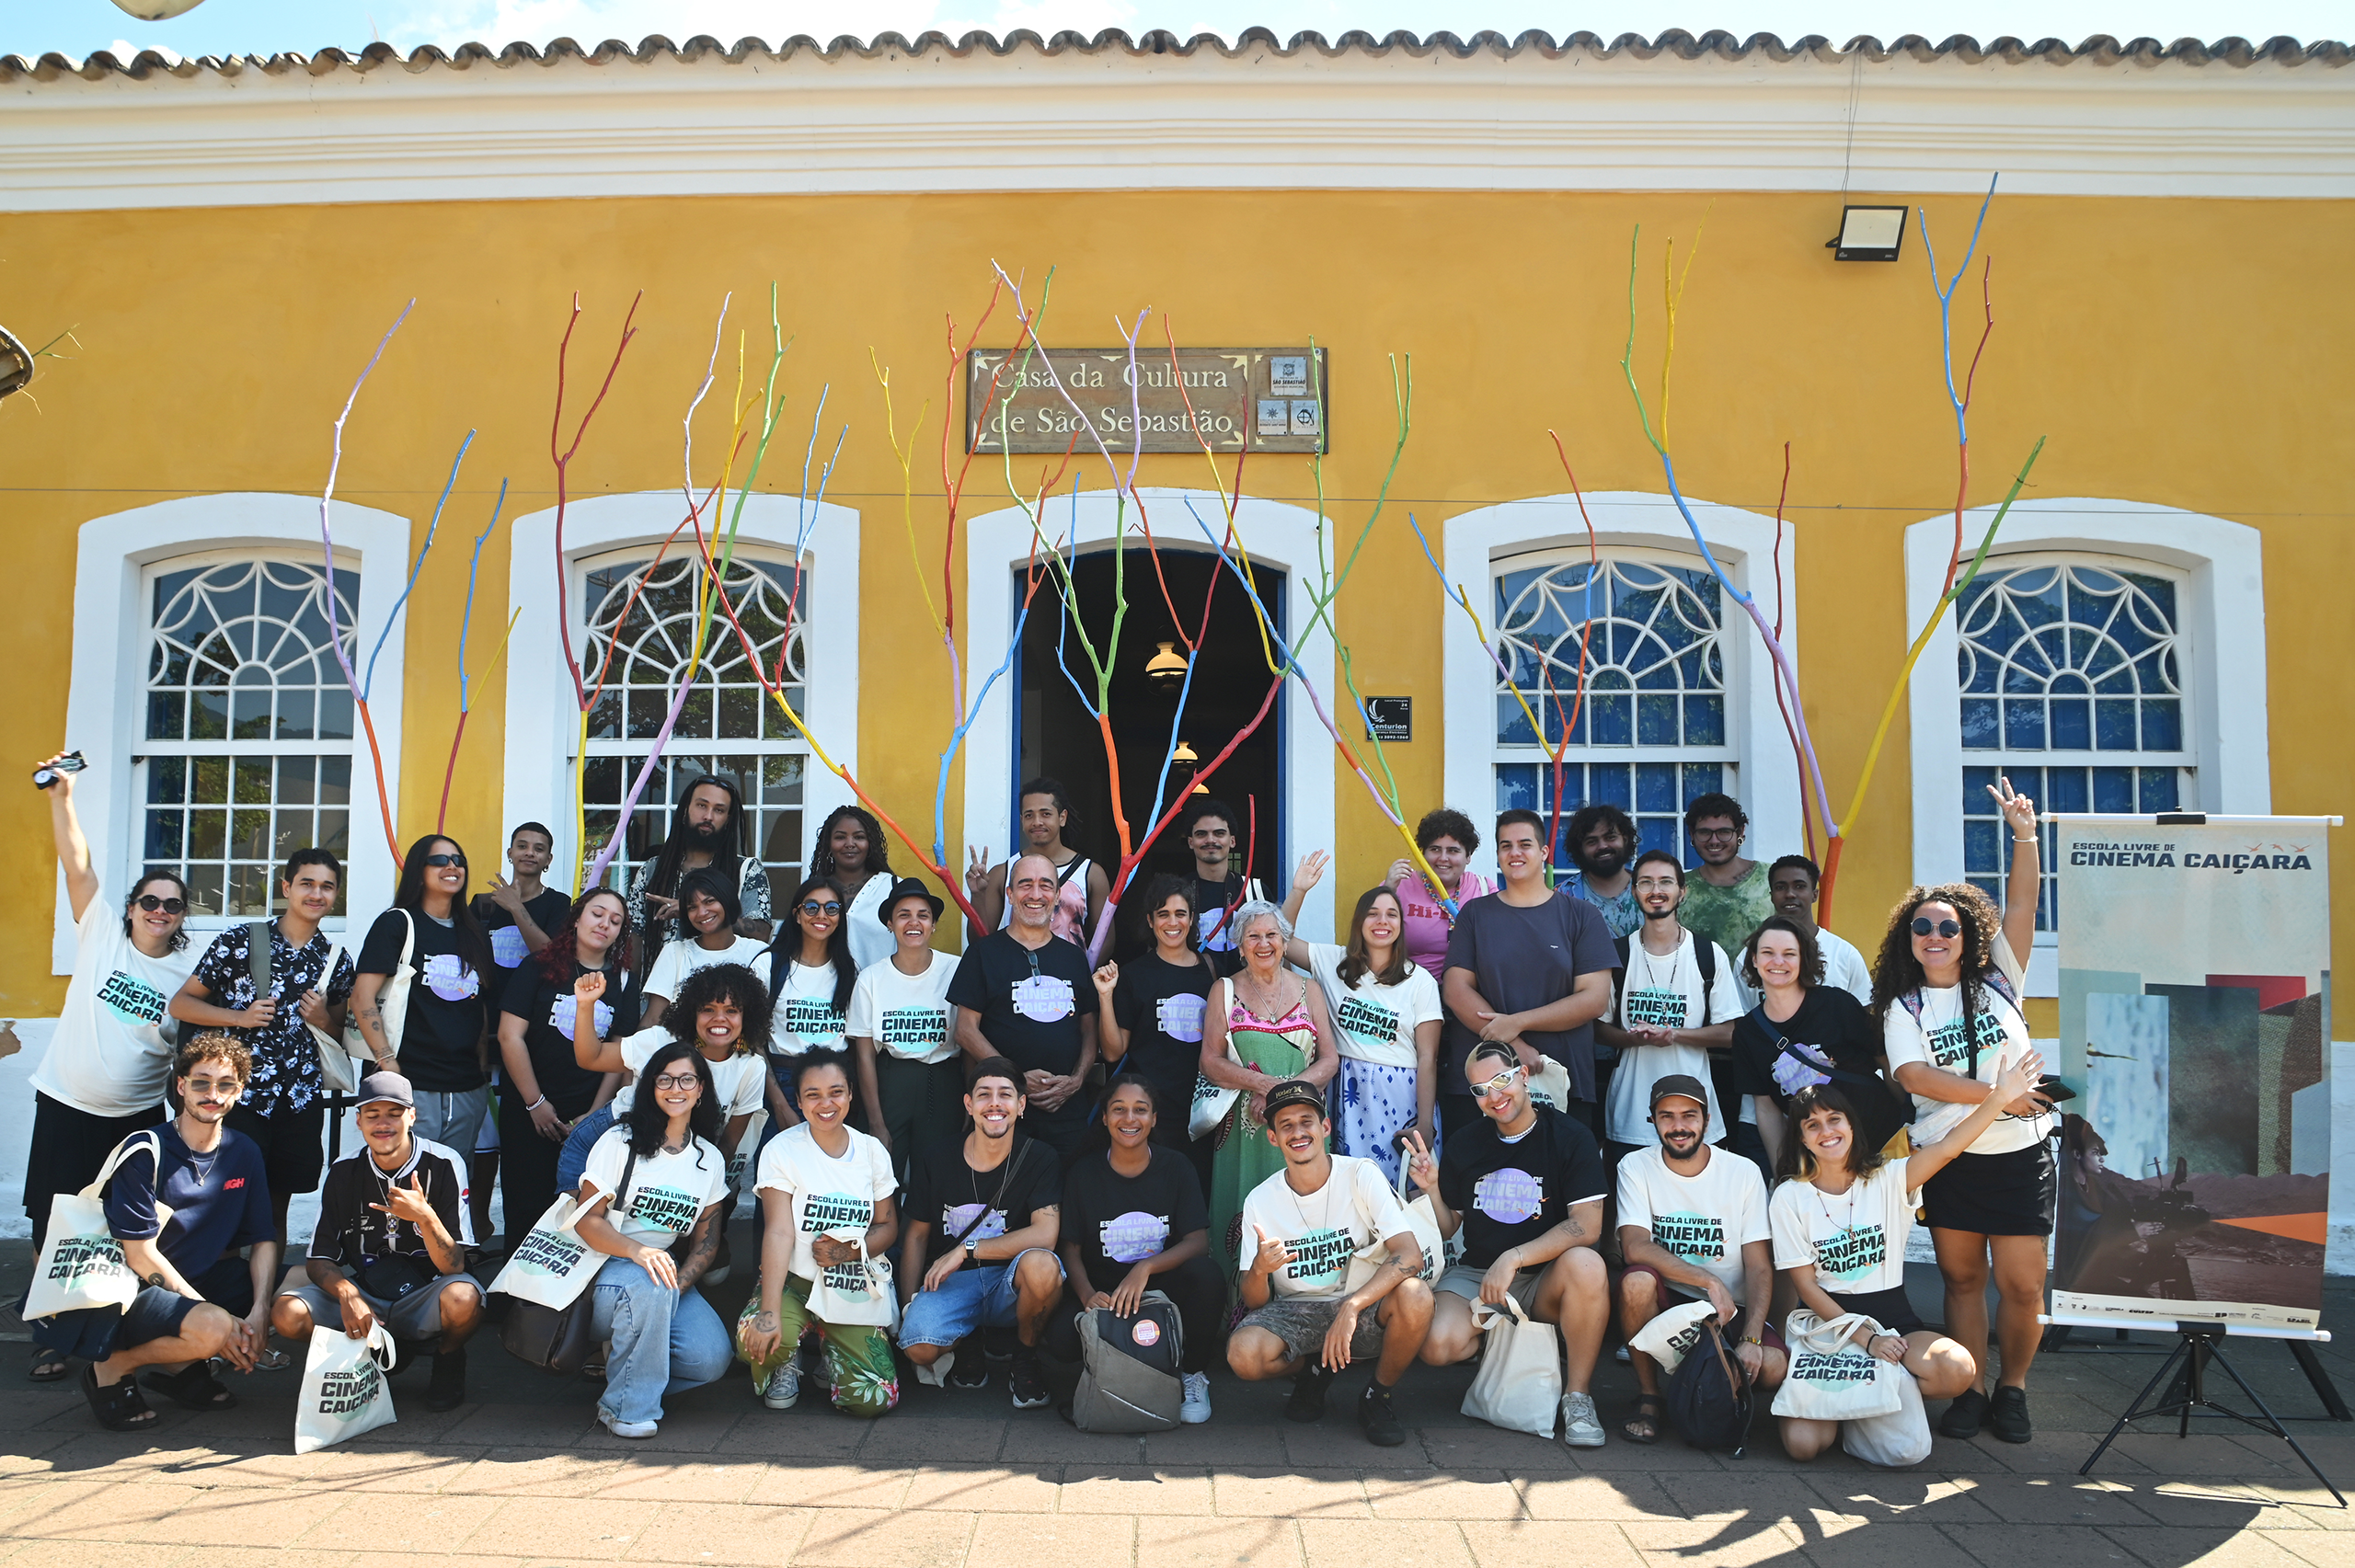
{"type": "Point", "coordinates": [441, 1040]}
{"type": "Point", "coordinates": [948, 1195]}
{"type": "Point", "coordinates": [1119, 1222]}
{"type": "Point", "coordinates": [1030, 1003]}
{"type": "Point", "coordinates": [1829, 1024]}
{"type": "Point", "coordinates": [1508, 1193]}
{"type": "Point", "coordinates": [546, 1010]}
{"type": "Point", "coordinates": [1216, 922]}
{"type": "Point", "coordinates": [510, 952]}
{"type": "Point", "coordinates": [1161, 1005]}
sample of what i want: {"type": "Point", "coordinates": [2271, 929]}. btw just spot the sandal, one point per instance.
{"type": "Point", "coordinates": [1645, 1427]}
{"type": "Point", "coordinates": [119, 1407]}
{"type": "Point", "coordinates": [47, 1366]}
{"type": "Point", "coordinates": [193, 1388]}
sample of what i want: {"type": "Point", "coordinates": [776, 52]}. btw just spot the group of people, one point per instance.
{"type": "Point", "coordinates": [1589, 1088]}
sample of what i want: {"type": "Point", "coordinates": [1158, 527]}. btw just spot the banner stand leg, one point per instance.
{"type": "Point", "coordinates": [2319, 1380]}
{"type": "Point", "coordinates": [2197, 1345]}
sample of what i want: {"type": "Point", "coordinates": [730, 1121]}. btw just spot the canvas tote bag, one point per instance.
{"type": "Point", "coordinates": [81, 1264]}
{"type": "Point", "coordinates": [1519, 1386]}
{"type": "Point", "coordinates": [1831, 1379]}
{"type": "Point", "coordinates": [345, 1387]}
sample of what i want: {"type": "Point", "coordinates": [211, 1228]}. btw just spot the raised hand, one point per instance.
{"type": "Point", "coordinates": [977, 868]}
{"type": "Point", "coordinates": [1311, 871]}
{"type": "Point", "coordinates": [1273, 1254]}
{"type": "Point", "coordinates": [2019, 811]}
{"type": "Point", "coordinates": [588, 989]}
{"type": "Point", "coordinates": [1107, 976]}
{"type": "Point", "coordinates": [1421, 1169]}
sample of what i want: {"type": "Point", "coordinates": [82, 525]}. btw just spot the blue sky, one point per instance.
{"type": "Point", "coordinates": [222, 26]}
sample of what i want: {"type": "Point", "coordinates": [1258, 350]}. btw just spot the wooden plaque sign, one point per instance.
{"type": "Point", "coordinates": [1240, 399]}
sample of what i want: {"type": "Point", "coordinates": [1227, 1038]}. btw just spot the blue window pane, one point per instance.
{"type": "Point", "coordinates": [1512, 725]}
{"type": "Point", "coordinates": [1655, 720]}
{"type": "Point", "coordinates": [1656, 787]}
{"type": "Point", "coordinates": [2073, 724]}
{"type": "Point", "coordinates": [2066, 790]}
{"type": "Point", "coordinates": [2113, 789]}
{"type": "Point", "coordinates": [1517, 787]}
{"type": "Point", "coordinates": [2159, 789]}
{"type": "Point", "coordinates": [1982, 846]}
{"type": "Point", "coordinates": [1979, 726]}
{"type": "Point", "coordinates": [1705, 721]}
{"type": "Point", "coordinates": [1976, 782]}
{"type": "Point", "coordinates": [2162, 725]}
{"type": "Point", "coordinates": [2115, 730]}
{"type": "Point", "coordinates": [2024, 726]}
{"type": "Point", "coordinates": [1703, 778]}
{"type": "Point", "coordinates": [1610, 784]}
{"type": "Point", "coordinates": [1657, 834]}
{"type": "Point", "coordinates": [1613, 721]}
{"type": "Point", "coordinates": [1989, 885]}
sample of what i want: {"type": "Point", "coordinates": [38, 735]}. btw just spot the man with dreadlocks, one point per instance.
{"type": "Point", "coordinates": [708, 829]}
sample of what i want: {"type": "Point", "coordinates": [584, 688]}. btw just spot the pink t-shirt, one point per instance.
{"type": "Point", "coordinates": [1427, 926]}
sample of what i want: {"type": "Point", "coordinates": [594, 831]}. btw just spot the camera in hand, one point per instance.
{"type": "Point", "coordinates": [50, 772]}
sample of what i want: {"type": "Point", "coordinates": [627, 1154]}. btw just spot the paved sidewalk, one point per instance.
{"type": "Point", "coordinates": [524, 1476]}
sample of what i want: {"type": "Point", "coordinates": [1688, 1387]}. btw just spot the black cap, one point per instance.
{"type": "Point", "coordinates": [1680, 1084]}
{"type": "Point", "coordinates": [908, 888]}
{"type": "Point", "coordinates": [1294, 1092]}
{"type": "Point", "coordinates": [386, 1086]}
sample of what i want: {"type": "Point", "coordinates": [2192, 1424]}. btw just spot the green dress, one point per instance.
{"type": "Point", "coordinates": [1243, 1157]}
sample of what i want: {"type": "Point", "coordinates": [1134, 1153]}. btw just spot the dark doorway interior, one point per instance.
{"type": "Point", "coordinates": [1059, 737]}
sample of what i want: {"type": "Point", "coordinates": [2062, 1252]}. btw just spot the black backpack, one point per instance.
{"type": "Point", "coordinates": [1709, 1401]}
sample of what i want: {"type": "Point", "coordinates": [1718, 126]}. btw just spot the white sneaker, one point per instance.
{"type": "Point", "coordinates": [1197, 1408]}
{"type": "Point", "coordinates": [784, 1386]}
{"type": "Point", "coordinates": [1620, 1354]}
{"type": "Point", "coordinates": [621, 1428]}
{"type": "Point", "coordinates": [1581, 1428]}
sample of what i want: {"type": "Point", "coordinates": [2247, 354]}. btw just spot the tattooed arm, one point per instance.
{"type": "Point", "coordinates": [703, 1248]}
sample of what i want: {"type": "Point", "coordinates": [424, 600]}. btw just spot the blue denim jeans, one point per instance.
{"type": "Point", "coordinates": [975, 1297]}
{"type": "Point", "coordinates": [663, 1341]}
{"type": "Point", "coordinates": [577, 1144]}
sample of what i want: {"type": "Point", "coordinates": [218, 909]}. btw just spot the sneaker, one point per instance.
{"type": "Point", "coordinates": [1965, 1416]}
{"type": "Point", "coordinates": [621, 1428]}
{"type": "Point", "coordinates": [1582, 1427]}
{"type": "Point", "coordinates": [1197, 1407]}
{"type": "Point", "coordinates": [1027, 1382]}
{"type": "Point", "coordinates": [1620, 1355]}
{"type": "Point", "coordinates": [1307, 1402]}
{"type": "Point", "coordinates": [783, 1390]}
{"type": "Point", "coordinates": [970, 1370]}
{"type": "Point", "coordinates": [1377, 1420]}
{"type": "Point", "coordinates": [2007, 1417]}
{"type": "Point", "coordinates": [814, 1370]}
{"type": "Point", "coordinates": [1000, 1346]}
{"type": "Point", "coordinates": [448, 1389]}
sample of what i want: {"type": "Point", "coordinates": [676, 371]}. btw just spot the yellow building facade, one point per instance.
{"type": "Point", "coordinates": [227, 243]}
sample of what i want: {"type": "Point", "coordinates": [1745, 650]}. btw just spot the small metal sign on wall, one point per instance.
{"type": "Point", "coordinates": [1271, 400]}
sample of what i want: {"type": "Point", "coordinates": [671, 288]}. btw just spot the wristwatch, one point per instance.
{"type": "Point", "coordinates": [972, 1247]}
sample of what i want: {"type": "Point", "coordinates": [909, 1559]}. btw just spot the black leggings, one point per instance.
{"type": "Point", "coordinates": [1196, 1287]}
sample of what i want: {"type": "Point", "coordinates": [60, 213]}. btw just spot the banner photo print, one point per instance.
{"type": "Point", "coordinates": [2195, 1161]}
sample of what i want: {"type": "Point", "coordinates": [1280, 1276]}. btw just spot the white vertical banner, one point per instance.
{"type": "Point", "coordinates": [2194, 1029]}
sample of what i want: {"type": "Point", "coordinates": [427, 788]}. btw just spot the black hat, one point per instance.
{"type": "Point", "coordinates": [1293, 1091]}
{"type": "Point", "coordinates": [1676, 1084]}
{"type": "Point", "coordinates": [388, 1087]}
{"type": "Point", "coordinates": [908, 888]}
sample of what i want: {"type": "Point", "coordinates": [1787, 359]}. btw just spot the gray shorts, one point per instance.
{"type": "Point", "coordinates": [1303, 1325]}
{"type": "Point", "coordinates": [416, 1316]}
{"type": "Point", "coordinates": [1463, 1279]}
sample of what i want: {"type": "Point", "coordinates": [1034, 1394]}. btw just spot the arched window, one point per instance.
{"type": "Point", "coordinates": [245, 751]}
{"type": "Point", "coordinates": [2071, 671]}
{"type": "Point", "coordinates": [642, 617]}
{"type": "Point", "coordinates": [1650, 734]}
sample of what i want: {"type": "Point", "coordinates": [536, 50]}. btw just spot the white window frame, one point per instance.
{"type": "Point", "coordinates": [1481, 542]}
{"type": "Point", "coordinates": [2223, 680]}
{"type": "Point", "coordinates": [543, 717]}
{"type": "Point", "coordinates": [106, 704]}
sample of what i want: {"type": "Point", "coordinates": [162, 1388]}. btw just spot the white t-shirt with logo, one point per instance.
{"type": "Point", "coordinates": [806, 1018]}
{"type": "Point", "coordinates": [1939, 1040]}
{"type": "Point", "coordinates": [667, 1192]}
{"type": "Point", "coordinates": [1845, 967]}
{"type": "Point", "coordinates": [1663, 992]}
{"type": "Point", "coordinates": [112, 1054]}
{"type": "Point", "coordinates": [1373, 1022]}
{"type": "Point", "coordinates": [1855, 1240]}
{"type": "Point", "coordinates": [906, 1016]}
{"type": "Point", "coordinates": [741, 1081]}
{"type": "Point", "coordinates": [1706, 1219]}
{"type": "Point", "coordinates": [679, 959]}
{"type": "Point", "coordinates": [829, 1196]}
{"type": "Point", "coordinates": [1325, 1229]}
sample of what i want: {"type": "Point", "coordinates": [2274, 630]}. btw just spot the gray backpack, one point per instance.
{"type": "Point", "coordinates": [1129, 1379]}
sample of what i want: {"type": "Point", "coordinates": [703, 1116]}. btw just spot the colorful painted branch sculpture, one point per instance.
{"type": "Point", "coordinates": [1790, 731]}
{"type": "Point", "coordinates": [466, 626]}
{"type": "Point", "coordinates": [1960, 401]}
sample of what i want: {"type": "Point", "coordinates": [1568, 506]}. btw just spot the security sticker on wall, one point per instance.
{"type": "Point", "coordinates": [1288, 376]}
{"type": "Point", "coordinates": [1275, 417]}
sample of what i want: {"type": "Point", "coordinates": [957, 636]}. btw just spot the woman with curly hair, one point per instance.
{"type": "Point", "coordinates": [1946, 989]}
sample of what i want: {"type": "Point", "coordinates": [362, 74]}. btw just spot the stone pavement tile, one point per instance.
{"type": "Point", "coordinates": [418, 1424]}
{"type": "Point", "coordinates": [1625, 1496]}
{"type": "Point", "coordinates": [2309, 1500]}
{"type": "Point", "coordinates": [422, 1526]}
{"type": "Point", "coordinates": [796, 1434]}
{"type": "Point", "coordinates": [1135, 1489]}
{"type": "Point", "coordinates": [1258, 1492]}
{"type": "Point", "coordinates": [1485, 1448]}
{"type": "Point", "coordinates": [1616, 1454]}
{"type": "Point", "coordinates": [1761, 1499]}
{"type": "Point", "coordinates": [660, 1478]}
{"type": "Point", "coordinates": [1384, 1543]}
{"type": "Point", "coordinates": [121, 1455]}
{"type": "Point", "coordinates": [350, 1469]}
{"type": "Point", "coordinates": [1722, 1543]}
{"type": "Point", "coordinates": [2203, 1454]}
{"type": "Point", "coordinates": [2047, 1453]}
{"type": "Point", "coordinates": [403, 1560]}
{"type": "Point", "coordinates": [2047, 1546]}
{"type": "Point", "coordinates": [2214, 1505]}
{"type": "Point", "coordinates": [1217, 1442]}
{"type": "Point", "coordinates": [1002, 1539]}
{"type": "Point", "coordinates": [520, 1426]}
{"type": "Point", "coordinates": [334, 1555]}
{"type": "Point", "coordinates": [870, 1537]}
{"type": "Point", "coordinates": [523, 1473]}
{"type": "Point", "coordinates": [104, 1554]}
{"type": "Point", "coordinates": [1410, 1495]}
{"type": "Point", "coordinates": [276, 1467]}
{"type": "Point", "coordinates": [985, 1489]}
{"type": "Point", "coordinates": [1334, 1443]}
{"type": "Point", "coordinates": [240, 1516]}
{"type": "Point", "coordinates": [1877, 1545]}
{"type": "Point", "coordinates": [716, 1533]}
{"type": "Point", "coordinates": [1033, 1442]}
{"type": "Point", "coordinates": [1549, 1543]}
{"type": "Point", "coordinates": [2333, 1453]}
{"type": "Point", "coordinates": [2324, 1549]}
{"type": "Point", "coordinates": [584, 1527]}
{"type": "Point", "coordinates": [897, 1438]}
{"type": "Point", "coordinates": [852, 1485]}
{"type": "Point", "coordinates": [2040, 1500]}
{"type": "Point", "coordinates": [1892, 1497]}
{"type": "Point", "coordinates": [27, 1510]}
{"type": "Point", "coordinates": [684, 1429]}
{"type": "Point", "coordinates": [107, 1511]}
{"type": "Point", "coordinates": [2209, 1548]}
{"type": "Point", "coordinates": [1168, 1543]}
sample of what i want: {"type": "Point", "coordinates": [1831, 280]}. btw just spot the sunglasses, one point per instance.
{"type": "Point", "coordinates": [1499, 1084]}
{"type": "Point", "coordinates": [457, 860]}
{"type": "Point", "coordinates": [151, 903]}
{"type": "Point", "coordinates": [815, 907]}
{"type": "Point", "coordinates": [1923, 926]}
{"type": "Point", "coordinates": [677, 1080]}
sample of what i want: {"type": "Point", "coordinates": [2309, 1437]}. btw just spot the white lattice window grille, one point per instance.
{"type": "Point", "coordinates": [247, 740]}
{"type": "Point", "coordinates": [1651, 733]}
{"type": "Point", "coordinates": [642, 614]}
{"type": "Point", "coordinates": [2072, 679]}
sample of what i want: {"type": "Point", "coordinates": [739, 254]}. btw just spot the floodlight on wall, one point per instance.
{"type": "Point", "coordinates": [16, 363]}
{"type": "Point", "coordinates": [1870, 234]}
{"type": "Point", "coordinates": [157, 10]}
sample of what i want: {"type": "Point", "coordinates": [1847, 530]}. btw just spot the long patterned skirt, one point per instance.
{"type": "Point", "coordinates": [1372, 1102]}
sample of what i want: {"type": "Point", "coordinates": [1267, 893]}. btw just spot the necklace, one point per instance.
{"type": "Point", "coordinates": [1651, 965]}
{"type": "Point", "coordinates": [1847, 1219]}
